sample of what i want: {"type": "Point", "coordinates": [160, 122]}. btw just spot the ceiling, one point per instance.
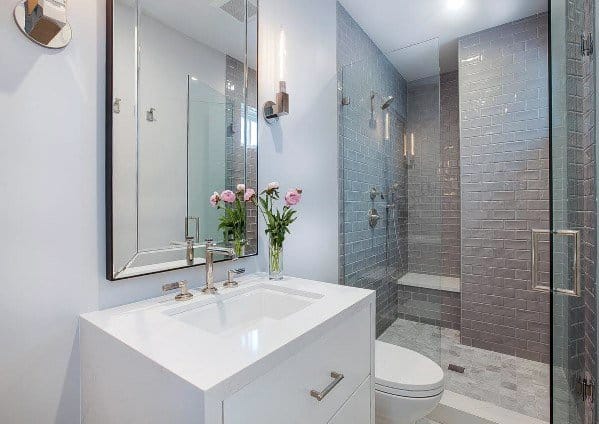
{"type": "Point", "coordinates": [394, 24]}
{"type": "Point", "coordinates": [212, 22]}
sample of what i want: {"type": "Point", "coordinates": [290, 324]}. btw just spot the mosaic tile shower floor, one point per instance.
{"type": "Point", "coordinates": [509, 382]}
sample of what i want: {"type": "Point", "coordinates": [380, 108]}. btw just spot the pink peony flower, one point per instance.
{"type": "Point", "coordinates": [292, 197]}
{"type": "Point", "coordinates": [228, 196]}
{"type": "Point", "coordinates": [214, 199]}
{"type": "Point", "coordinates": [249, 194]}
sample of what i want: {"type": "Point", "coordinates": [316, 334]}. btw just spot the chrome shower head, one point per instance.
{"type": "Point", "coordinates": [387, 102]}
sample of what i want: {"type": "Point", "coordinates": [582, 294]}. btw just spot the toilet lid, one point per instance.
{"type": "Point", "coordinates": [402, 371]}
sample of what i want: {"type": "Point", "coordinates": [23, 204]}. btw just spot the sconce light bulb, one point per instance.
{"type": "Point", "coordinates": [282, 54]}
{"type": "Point", "coordinates": [387, 134]}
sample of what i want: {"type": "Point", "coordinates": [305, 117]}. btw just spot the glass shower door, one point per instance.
{"type": "Point", "coordinates": [390, 150]}
{"type": "Point", "coordinates": [574, 215]}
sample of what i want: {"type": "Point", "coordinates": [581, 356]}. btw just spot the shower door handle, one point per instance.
{"type": "Point", "coordinates": [575, 234]}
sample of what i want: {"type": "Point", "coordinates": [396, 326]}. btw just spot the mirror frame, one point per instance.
{"type": "Point", "coordinates": [108, 168]}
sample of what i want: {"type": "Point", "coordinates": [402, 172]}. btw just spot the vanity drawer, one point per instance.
{"type": "Point", "coordinates": [357, 410]}
{"type": "Point", "coordinates": [283, 395]}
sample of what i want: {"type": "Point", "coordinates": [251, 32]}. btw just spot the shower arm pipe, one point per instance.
{"type": "Point", "coordinates": [372, 96]}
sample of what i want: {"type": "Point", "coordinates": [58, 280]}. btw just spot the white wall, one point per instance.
{"type": "Point", "coordinates": [301, 150]}
{"type": "Point", "coordinates": [167, 58]}
{"type": "Point", "coordinates": [52, 191]}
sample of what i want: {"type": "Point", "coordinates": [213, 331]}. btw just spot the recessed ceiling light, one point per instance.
{"type": "Point", "coordinates": [455, 4]}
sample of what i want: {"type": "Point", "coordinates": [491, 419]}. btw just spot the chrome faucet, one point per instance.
{"type": "Point", "coordinates": [184, 295]}
{"type": "Point", "coordinates": [189, 248]}
{"type": "Point", "coordinates": [230, 283]}
{"type": "Point", "coordinates": [211, 249]}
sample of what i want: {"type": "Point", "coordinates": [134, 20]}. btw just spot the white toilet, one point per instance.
{"type": "Point", "coordinates": [408, 385]}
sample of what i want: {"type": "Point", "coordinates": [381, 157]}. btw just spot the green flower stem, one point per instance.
{"type": "Point", "coordinates": [275, 253]}
{"type": "Point", "coordinates": [238, 245]}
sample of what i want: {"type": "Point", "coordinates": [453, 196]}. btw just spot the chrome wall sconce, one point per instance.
{"type": "Point", "coordinates": [44, 22]}
{"type": "Point", "coordinates": [274, 110]}
{"type": "Point", "coordinates": [280, 107]}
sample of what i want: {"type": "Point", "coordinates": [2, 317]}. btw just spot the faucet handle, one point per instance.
{"type": "Point", "coordinates": [184, 295]}
{"type": "Point", "coordinates": [230, 282]}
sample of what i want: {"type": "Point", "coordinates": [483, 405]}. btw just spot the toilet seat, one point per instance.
{"type": "Point", "coordinates": [403, 372]}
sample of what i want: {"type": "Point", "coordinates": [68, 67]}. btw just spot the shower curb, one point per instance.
{"type": "Point", "coordinates": [459, 409]}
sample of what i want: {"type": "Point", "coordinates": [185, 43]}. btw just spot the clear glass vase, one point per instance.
{"type": "Point", "coordinates": [275, 261]}
{"type": "Point", "coordinates": [239, 247]}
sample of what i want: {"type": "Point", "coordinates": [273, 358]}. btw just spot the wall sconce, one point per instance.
{"type": "Point", "coordinates": [408, 153]}
{"type": "Point", "coordinates": [44, 22]}
{"type": "Point", "coordinates": [273, 110]}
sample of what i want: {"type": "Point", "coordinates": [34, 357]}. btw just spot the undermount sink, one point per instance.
{"type": "Point", "coordinates": [251, 308]}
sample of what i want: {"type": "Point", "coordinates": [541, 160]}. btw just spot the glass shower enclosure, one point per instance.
{"type": "Point", "coordinates": [573, 232]}
{"type": "Point", "coordinates": [391, 151]}
{"type": "Point", "coordinates": [472, 209]}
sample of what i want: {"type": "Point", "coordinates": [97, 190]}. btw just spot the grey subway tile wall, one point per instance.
{"type": "Point", "coordinates": [434, 180]}
{"type": "Point", "coordinates": [451, 230]}
{"type": "Point", "coordinates": [371, 257]}
{"type": "Point", "coordinates": [424, 182]}
{"type": "Point", "coordinates": [503, 77]}
{"type": "Point", "coordinates": [430, 306]}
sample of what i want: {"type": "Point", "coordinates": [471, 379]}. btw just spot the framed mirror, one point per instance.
{"type": "Point", "coordinates": [182, 123]}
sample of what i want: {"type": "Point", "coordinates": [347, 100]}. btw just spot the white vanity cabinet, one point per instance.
{"type": "Point", "coordinates": [146, 363]}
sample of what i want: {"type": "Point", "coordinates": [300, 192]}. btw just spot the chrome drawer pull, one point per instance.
{"type": "Point", "coordinates": [337, 377]}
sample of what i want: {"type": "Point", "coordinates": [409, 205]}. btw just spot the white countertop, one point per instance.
{"type": "Point", "coordinates": [223, 363]}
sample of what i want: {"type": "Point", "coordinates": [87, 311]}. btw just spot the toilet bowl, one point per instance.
{"type": "Point", "coordinates": [408, 385]}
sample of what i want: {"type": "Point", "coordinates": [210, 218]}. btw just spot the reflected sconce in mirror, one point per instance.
{"type": "Point", "coordinates": [408, 152]}
{"type": "Point", "coordinates": [116, 105]}
{"type": "Point", "coordinates": [44, 22]}
{"type": "Point", "coordinates": [274, 110]}
{"type": "Point", "coordinates": [151, 115]}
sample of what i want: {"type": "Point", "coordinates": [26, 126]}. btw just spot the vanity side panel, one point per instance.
{"type": "Point", "coordinates": [120, 385]}
{"type": "Point", "coordinates": [372, 356]}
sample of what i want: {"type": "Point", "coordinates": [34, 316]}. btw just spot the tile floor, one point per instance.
{"type": "Point", "coordinates": [512, 383]}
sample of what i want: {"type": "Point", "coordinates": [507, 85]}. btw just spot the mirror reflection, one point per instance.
{"type": "Point", "coordinates": [184, 125]}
